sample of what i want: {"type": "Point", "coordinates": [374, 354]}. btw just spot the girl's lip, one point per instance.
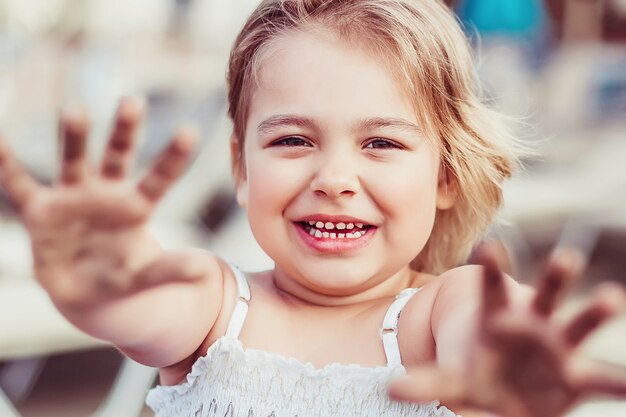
{"type": "Point", "coordinates": [338, 245]}
{"type": "Point", "coordinates": [332, 219]}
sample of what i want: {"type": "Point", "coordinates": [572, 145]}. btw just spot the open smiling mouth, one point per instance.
{"type": "Point", "coordinates": [338, 230]}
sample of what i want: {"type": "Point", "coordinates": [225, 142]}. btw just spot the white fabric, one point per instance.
{"type": "Point", "coordinates": [389, 331]}
{"type": "Point", "coordinates": [241, 306]}
{"type": "Point", "coordinates": [231, 381]}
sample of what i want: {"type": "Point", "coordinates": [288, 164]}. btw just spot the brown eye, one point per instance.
{"type": "Point", "coordinates": [381, 144]}
{"type": "Point", "coordinates": [291, 141]}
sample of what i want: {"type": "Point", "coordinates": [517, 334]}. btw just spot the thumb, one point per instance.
{"type": "Point", "coordinates": [429, 383]}
{"type": "Point", "coordinates": [177, 266]}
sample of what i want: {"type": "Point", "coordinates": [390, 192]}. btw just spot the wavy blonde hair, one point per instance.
{"type": "Point", "coordinates": [425, 48]}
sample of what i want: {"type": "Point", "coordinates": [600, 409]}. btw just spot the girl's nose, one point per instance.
{"type": "Point", "coordinates": [335, 179]}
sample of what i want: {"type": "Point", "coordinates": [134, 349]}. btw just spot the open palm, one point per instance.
{"type": "Point", "coordinates": [523, 363]}
{"type": "Point", "coordinates": [88, 231]}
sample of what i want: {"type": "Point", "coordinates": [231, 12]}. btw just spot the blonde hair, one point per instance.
{"type": "Point", "coordinates": [423, 45]}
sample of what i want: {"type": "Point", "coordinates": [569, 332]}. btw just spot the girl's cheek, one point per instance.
{"type": "Point", "coordinates": [273, 181]}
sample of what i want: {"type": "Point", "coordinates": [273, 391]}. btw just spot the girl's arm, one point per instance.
{"type": "Point", "coordinates": [164, 322]}
{"type": "Point", "coordinates": [94, 255]}
{"type": "Point", "coordinates": [499, 348]}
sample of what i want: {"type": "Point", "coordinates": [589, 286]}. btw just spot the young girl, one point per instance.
{"type": "Point", "coordinates": [368, 169]}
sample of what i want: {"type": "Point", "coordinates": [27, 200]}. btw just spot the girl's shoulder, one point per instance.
{"type": "Point", "coordinates": [462, 281]}
{"type": "Point", "coordinates": [415, 334]}
{"type": "Point", "coordinates": [452, 288]}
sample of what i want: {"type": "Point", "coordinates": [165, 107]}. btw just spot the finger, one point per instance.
{"type": "Point", "coordinates": [119, 150]}
{"type": "Point", "coordinates": [494, 294]}
{"type": "Point", "coordinates": [429, 383]}
{"type": "Point", "coordinates": [608, 301]}
{"type": "Point", "coordinates": [74, 126]}
{"type": "Point", "coordinates": [17, 183]}
{"type": "Point", "coordinates": [596, 378]}
{"type": "Point", "coordinates": [169, 165]}
{"type": "Point", "coordinates": [560, 271]}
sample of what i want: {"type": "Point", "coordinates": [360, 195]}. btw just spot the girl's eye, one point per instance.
{"type": "Point", "coordinates": [291, 141]}
{"type": "Point", "coordinates": [381, 144]}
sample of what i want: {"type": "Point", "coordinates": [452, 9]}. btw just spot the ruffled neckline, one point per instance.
{"type": "Point", "coordinates": [162, 395]}
{"type": "Point", "coordinates": [295, 365]}
{"type": "Point", "coordinates": [307, 368]}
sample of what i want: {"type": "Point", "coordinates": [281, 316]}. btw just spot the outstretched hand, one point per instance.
{"type": "Point", "coordinates": [522, 363]}
{"type": "Point", "coordinates": [88, 231]}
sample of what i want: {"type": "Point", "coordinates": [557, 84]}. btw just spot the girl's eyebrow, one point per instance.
{"type": "Point", "coordinates": [281, 120]}
{"type": "Point", "coordinates": [389, 122]}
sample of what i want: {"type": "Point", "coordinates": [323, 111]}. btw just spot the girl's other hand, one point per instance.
{"type": "Point", "coordinates": [522, 363]}
{"type": "Point", "coordinates": [88, 231]}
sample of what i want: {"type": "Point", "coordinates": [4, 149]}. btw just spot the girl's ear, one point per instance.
{"type": "Point", "coordinates": [447, 189]}
{"type": "Point", "coordinates": [242, 193]}
{"type": "Point", "coordinates": [238, 170]}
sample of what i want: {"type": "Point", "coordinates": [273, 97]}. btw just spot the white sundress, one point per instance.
{"type": "Point", "coordinates": [230, 381]}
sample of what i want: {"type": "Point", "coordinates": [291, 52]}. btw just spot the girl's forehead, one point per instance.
{"type": "Point", "coordinates": [311, 65]}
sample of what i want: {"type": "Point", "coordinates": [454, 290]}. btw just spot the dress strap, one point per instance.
{"type": "Point", "coordinates": [241, 306]}
{"type": "Point", "coordinates": [389, 331]}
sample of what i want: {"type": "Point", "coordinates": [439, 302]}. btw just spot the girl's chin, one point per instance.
{"type": "Point", "coordinates": [334, 281]}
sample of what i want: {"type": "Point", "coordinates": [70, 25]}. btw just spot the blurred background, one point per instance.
{"type": "Point", "coordinates": [558, 67]}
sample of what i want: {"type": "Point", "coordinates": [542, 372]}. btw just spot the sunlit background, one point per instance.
{"type": "Point", "coordinates": [558, 67]}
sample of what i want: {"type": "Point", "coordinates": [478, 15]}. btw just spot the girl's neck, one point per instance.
{"type": "Point", "coordinates": [295, 292]}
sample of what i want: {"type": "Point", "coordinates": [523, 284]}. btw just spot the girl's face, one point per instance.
{"type": "Point", "coordinates": [340, 184]}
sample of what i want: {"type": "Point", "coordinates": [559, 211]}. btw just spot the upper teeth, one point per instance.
{"type": "Point", "coordinates": [331, 225]}
{"type": "Point", "coordinates": [326, 229]}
